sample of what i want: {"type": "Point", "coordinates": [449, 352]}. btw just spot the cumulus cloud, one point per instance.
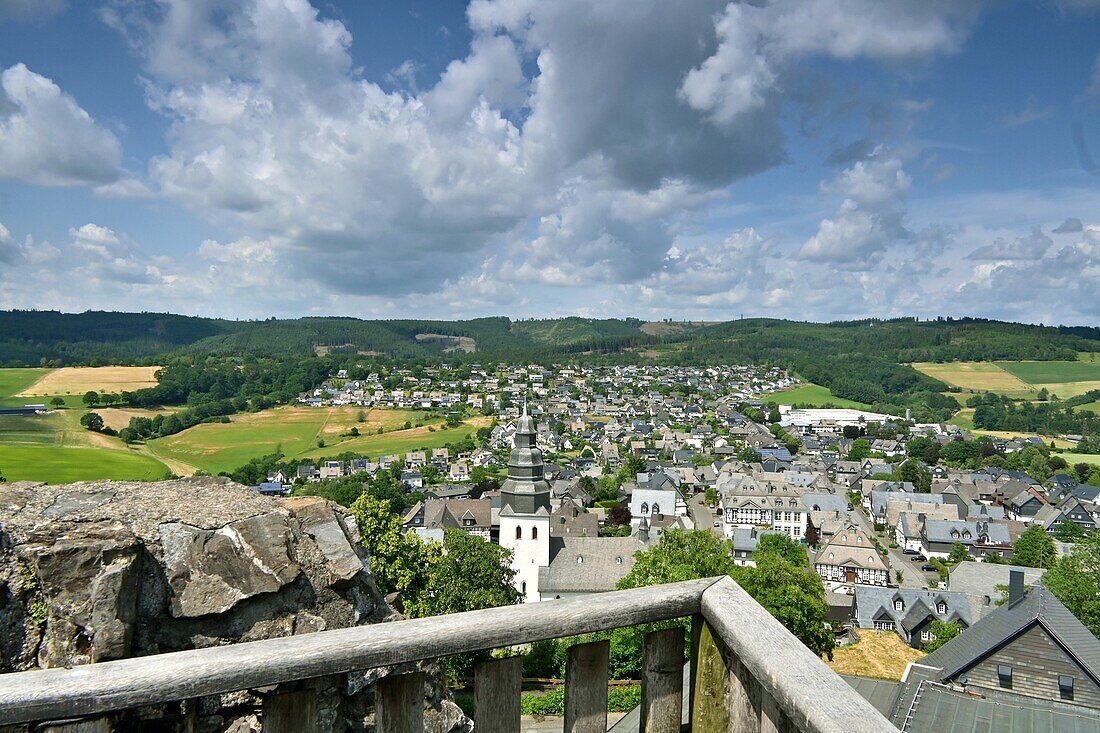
{"type": "Point", "coordinates": [1069, 226]}
{"type": "Point", "coordinates": [869, 218]}
{"type": "Point", "coordinates": [573, 143]}
{"type": "Point", "coordinates": [1031, 247]}
{"type": "Point", "coordinates": [48, 139]}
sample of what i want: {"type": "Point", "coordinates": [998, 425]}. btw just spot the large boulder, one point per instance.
{"type": "Point", "coordinates": [105, 570]}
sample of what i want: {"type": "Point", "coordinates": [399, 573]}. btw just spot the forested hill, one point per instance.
{"type": "Point", "coordinates": [30, 338]}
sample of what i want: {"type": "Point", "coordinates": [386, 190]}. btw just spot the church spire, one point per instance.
{"type": "Point", "coordinates": [526, 489]}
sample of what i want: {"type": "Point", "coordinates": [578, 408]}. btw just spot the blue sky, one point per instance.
{"type": "Point", "coordinates": [813, 159]}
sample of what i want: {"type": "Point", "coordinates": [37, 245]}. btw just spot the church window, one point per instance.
{"type": "Point", "coordinates": [534, 533]}
{"type": "Point", "coordinates": [519, 532]}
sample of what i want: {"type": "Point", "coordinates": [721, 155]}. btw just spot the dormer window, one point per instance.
{"type": "Point", "coordinates": [899, 605]}
{"type": "Point", "coordinates": [645, 508]}
{"type": "Point", "coordinates": [656, 509]}
{"type": "Point", "coordinates": [941, 608]}
{"type": "Point", "coordinates": [618, 561]}
{"type": "Point", "coordinates": [580, 560]}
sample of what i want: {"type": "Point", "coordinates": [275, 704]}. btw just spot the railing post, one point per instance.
{"type": "Point", "coordinates": [399, 704]}
{"type": "Point", "coordinates": [290, 712]}
{"type": "Point", "coordinates": [586, 687]}
{"type": "Point", "coordinates": [663, 682]}
{"type": "Point", "coordinates": [772, 718]}
{"type": "Point", "coordinates": [710, 682]}
{"type": "Point", "coordinates": [498, 686]}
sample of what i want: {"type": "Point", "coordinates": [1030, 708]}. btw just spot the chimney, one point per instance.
{"type": "Point", "coordinates": [1015, 587]}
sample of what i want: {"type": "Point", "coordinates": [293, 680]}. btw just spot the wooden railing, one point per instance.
{"type": "Point", "coordinates": [748, 673]}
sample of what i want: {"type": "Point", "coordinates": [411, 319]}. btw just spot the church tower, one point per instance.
{"type": "Point", "coordinates": [525, 510]}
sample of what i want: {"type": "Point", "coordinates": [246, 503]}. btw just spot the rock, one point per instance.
{"type": "Point", "coordinates": [210, 571]}
{"type": "Point", "coordinates": [106, 570]}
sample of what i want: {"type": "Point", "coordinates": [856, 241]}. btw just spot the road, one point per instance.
{"type": "Point", "coordinates": [911, 575]}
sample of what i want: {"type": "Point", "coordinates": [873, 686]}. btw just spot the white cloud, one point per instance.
{"type": "Point", "coordinates": [1031, 247]}
{"type": "Point", "coordinates": [48, 139]}
{"type": "Point", "coordinates": [870, 216]}
{"type": "Point", "coordinates": [1032, 112]}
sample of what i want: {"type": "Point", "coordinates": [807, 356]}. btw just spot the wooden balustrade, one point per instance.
{"type": "Point", "coordinates": [748, 673]}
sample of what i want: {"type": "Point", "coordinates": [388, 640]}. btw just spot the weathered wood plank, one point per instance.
{"type": "Point", "coordinates": [710, 683]}
{"type": "Point", "coordinates": [399, 702]}
{"type": "Point", "coordinates": [498, 686]}
{"type": "Point", "coordinates": [811, 696]}
{"type": "Point", "coordinates": [663, 682]}
{"type": "Point", "coordinates": [92, 689]}
{"type": "Point", "coordinates": [586, 687]}
{"type": "Point", "coordinates": [99, 725]}
{"type": "Point", "coordinates": [743, 698]}
{"type": "Point", "coordinates": [290, 712]}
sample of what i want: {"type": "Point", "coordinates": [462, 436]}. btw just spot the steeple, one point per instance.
{"type": "Point", "coordinates": [526, 489]}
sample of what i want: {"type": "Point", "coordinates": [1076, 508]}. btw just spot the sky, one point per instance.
{"type": "Point", "coordinates": [704, 160]}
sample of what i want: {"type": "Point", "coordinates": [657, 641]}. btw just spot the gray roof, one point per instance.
{"type": "Point", "coordinates": [589, 564]}
{"type": "Point", "coordinates": [1005, 622]}
{"type": "Point", "coordinates": [951, 531]}
{"type": "Point", "coordinates": [880, 693]}
{"type": "Point", "coordinates": [938, 708]}
{"type": "Point", "coordinates": [982, 578]}
{"type": "Point", "coordinates": [875, 601]}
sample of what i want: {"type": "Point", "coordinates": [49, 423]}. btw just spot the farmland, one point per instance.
{"type": "Point", "coordinates": [1020, 379]}
{"type": "Point", "coordinates": [295, 431]}
{"type": "Point", "coordinates": [979, 376]}
{"type": "Point", "coordinates": [814, 395]}
{"type": "Point", "coordinates": [78, 380]}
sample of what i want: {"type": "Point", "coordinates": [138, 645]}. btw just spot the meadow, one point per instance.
{"type": "Point", "coordinates": [295, 431]}
{"type": "Point", "coordinates": [978, 376]}
{"type": "Point", "coordinates": [60, 465]}
{"type": "Point", "coordinates": [812, 394]}
{"type": "Point", "coordinates": [13, 381]}
{"type": "Point", "coordinates": [1019, 379]}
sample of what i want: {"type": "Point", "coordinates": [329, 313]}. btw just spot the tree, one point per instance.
{"type": "Point", "coordinates": [1034, 548]}
{"type": "Point", "coordinates": [959, 553]}
{"type": "Point", "coordinates": [469, 574]}
{"type": "Point", "coordinates": [91, 397]}
{"type": "Point", "coordinates": [92, 421]}
{"type": "Point", "coordinates": [1069, 531]}
{"type": "Point", "coordinates": [861, 449]}
{"type": "Point", "coordinates": [619, 515]}
{"type": "Point", "coordinates": [781, 544]}
{"type": "Point", "coordinates": [794, 595]}
{"type": "Point", "coordinates": [58, 402]}
{"type": "Point", "coordinates": [916, 473]}
{"type": "Point", "coordinates": [1075, 579]}
{"type": "Point", "coordinates": [398, 561]}
{"type": "Point", "coordinates": [942, 633]}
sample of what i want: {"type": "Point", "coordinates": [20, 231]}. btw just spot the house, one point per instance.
{"type": "Point", "coordinates": [979, 538]}
{"type": "Point", "coordinates": [1070, 509]}
{"type": "Point", "coordinates": [570, 519]}
{"type": "Point", "coordinates": [1030, 653]}
{"type": "Point", "coordinates": [851, 558]}
{"type": "Point", "coordinates": [308, 472]}
{"type": "Point", "coordinates": [470, 515]}
{"type": "Point", "coordinates": [332, 469]}
{"type": "Point", "coordinates": [745, 541]}
{"type": "Point", "coordinates": [413, 479]}
{"type": "Point", "coordinates": [908, 528]}
{"type": "Point", "coordinates": [910, 611]}
{"type": "Point", "coordinates": [648, 502]}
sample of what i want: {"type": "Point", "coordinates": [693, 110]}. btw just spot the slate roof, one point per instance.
{"type": "Point", "coordinates": [982, 578]}
{"type": "Point", "coordinates": [939, 708]}
{"type": "Point", "coordinates": [1005, 622]}
{"type": "Point", "coordinates": [879, 693]}
{"type": "Point", "coordinates": [875, 602]}
{"type": "Point", "coordinates": [603, 561]}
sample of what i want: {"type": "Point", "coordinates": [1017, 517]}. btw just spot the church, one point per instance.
{"type": "Point", "coordinates": [525, 510]}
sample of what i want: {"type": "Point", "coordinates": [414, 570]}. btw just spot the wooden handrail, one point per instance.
{"type": "Point", "coordinates": [748, 673]}
{"type": "Point", "coordinates": [90, 689]}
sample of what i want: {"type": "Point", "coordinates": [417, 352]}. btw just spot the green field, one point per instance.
{"type": "Point", "coordinates": [58, 465]}
{"type": "Point", "coordinates": [1072, 458]}
{"type": "Point", "coordinates": [1052, 372]}
{"type": "Point", "coordinates": [13, 381]}
{"type": "Point", "coordinates": [814, 395]}
{"type": "Point", "coordinates": [294, 431]}
{"type": "Point", "coordinates": [1089, 406]}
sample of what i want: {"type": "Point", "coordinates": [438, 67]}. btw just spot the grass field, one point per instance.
{"type": "Point", "coordinates": [1072, 458]}
{"type": "Point", "coordinates": [812, 394]}
{"type": "Point", "coordinates": [59, 465]}
{"type": "Point", "coordinates": [1089, 406]}
{"type": "Point", "coordinates": [295, 431]}
{"type": "Point", "coordinates": [402, 441]}
{"type": "Point", "coordinates": [981, 376]}
{"type": "Point", "coordinates": [1019, 379]}
{"type": "Point", "coordinates": [13, 381]}
{"type": "Point", "coordinates": [880, 654]}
